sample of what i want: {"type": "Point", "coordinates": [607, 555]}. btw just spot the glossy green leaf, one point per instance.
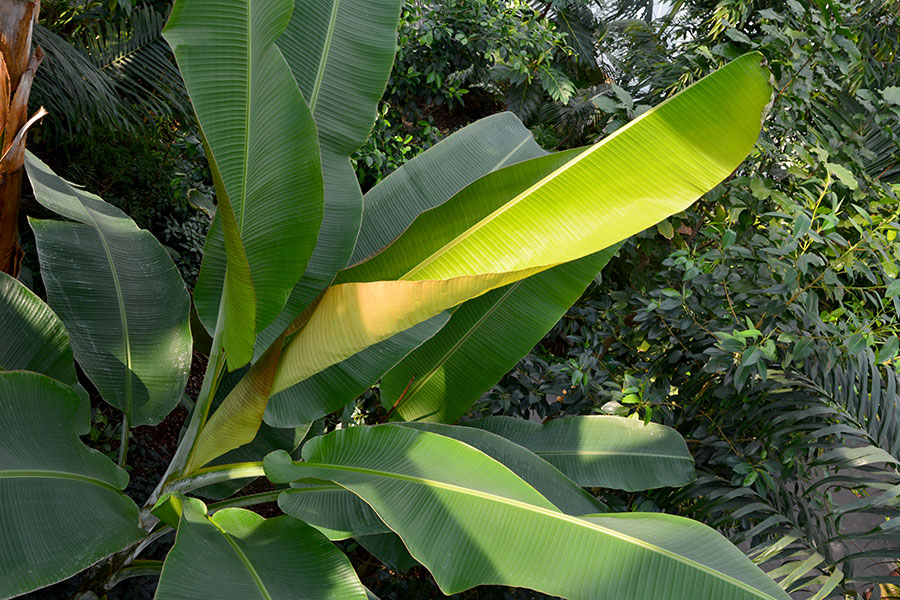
{"type": "Point", "coordinates": [341, 514]}
{"type": "Point", "coordinates": [321, 42]}
{"type": "Point", "coordinates": [263, 151]}
{"type": "Point", "coordinates": [426, 181]}
{"type": "Point", "coordinates": [236, 554]}
{"type": "Point", "coordinates": [130, 328]}
{"type": "Point", "coordinates": [439, 380]}
{"type": "Point", "coordinates": [472, 521]}
{"type": "Point", "coordinates": [494, 233]}
{"type": "Point", "coordinates": [61, 504]}
{"type": "Point", "coordinates": [324, 42]}
{"type": "Point", "coordinates": [32, 338]}
{"type": "Point", "coordinates": [603, 451]}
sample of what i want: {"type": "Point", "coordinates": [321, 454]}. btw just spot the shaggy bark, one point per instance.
{"type": "Point", "coordinates": [18, 64]}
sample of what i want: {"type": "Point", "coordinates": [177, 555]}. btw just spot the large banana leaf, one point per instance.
{"type": "Point", "coordinates": [321, 40]}
{"type": "Point", "coordinates": [329, 390]}
{"type": "Point", "coordinates": [130, 328]}
{"type": "Point", "coordinates": [539, 473]}
{"type": "Point", "coordinates": [426, 181]}
{"type": "Point", "coordinates": [236, 554]}
{"type": "Point", "coordinates": [471, 521]}
{"type": "Point", "coordinates": [494, 233]}
{"type": "Point", "coordinates": [32, 338]}
{"type": "Point", "coordinates": [263, 151]}
{"type": "Point", "coordinates": [323, 43]}
{"type": "Point", "coordinates": [61, 505]}
{"type": "Point", "coordinates": [603, 451]}
{"type": "Point", "coordinates": [341, 514]}
{"type": "Point", "coordinates": [440, 379]}
{"type": "Point", "coordinates": [484, 339]}
{"type": "Point", "coordinates": [438, 174]}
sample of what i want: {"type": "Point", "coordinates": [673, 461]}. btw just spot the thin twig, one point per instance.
{"type": "Point", "coordinates": [399, 400]}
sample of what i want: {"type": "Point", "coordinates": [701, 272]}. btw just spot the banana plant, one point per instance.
{"type": "Point", "coordinates": [434, 283]}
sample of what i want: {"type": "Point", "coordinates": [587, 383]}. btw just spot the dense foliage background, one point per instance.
{"type": "Point", "coordinates": [762, 323]}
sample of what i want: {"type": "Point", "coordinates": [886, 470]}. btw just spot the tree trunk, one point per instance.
{"type": "Point", "coordinates": [17, 68]}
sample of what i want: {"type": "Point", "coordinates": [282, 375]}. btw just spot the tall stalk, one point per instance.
{"type": "Point", "coordinates": [211, 379]}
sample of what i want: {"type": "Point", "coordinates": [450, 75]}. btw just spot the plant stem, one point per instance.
{"type": "Point", "coordinates": [250, 500]}
{"type": "Point", "coordinates": [218, 474]}
{"type": "Point", "coordinates": [137, 568]}
{"type": "Point", "coordinates": [123, 445]}
{"type": "Point", "coordinates": [135, 550]}
{"type": "Point", "coordinates": [201, 410]}
{"type": "Point", "coordinates": [198, 416]}
{"type": "Point", "coordinates": [162, 529]}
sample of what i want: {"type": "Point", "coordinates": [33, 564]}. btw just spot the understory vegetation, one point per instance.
{"type": "Point", "coordinates": [755, 331]}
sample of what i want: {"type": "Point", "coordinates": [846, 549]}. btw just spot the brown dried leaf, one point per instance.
{"type": "Point", "coordinates": [18, 110]}
{"type": "Point", "coordinates": [4, 94]}
{"type": "Point", "coordinates": [14, 157]}
{"type": "Point", "coordinates": [16, 25]}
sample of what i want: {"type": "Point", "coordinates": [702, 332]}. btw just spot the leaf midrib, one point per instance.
{"type": "Point", "coordinates": [504, 208]}
{"type": "Point", "coordinates": [123, 317]}
{"type": "Point", "coordinates": [510, 154]}
{"type": "Point", "coordinates": [50, 474]}
{"type": "Point", "coordinates": [326, 50]}
{"type": "Point", "coordinates": [543, 511]}
{"type": "Point", "coordinates": [608, 453]}
{"type": "Point", "coordinates": [245, 561]}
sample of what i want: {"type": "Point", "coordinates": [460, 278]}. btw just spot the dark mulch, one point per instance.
{"type": "Point", "coordinates": [195, 379]}
{"type": "Point", "coordinates": [150, 451]}
{"type": "Point", "coordinates": [418, 582]}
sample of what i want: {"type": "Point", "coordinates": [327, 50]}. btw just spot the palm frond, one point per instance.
{"type": "Point", "coordinates": [845, 119]}
{"type": "Point", "coordinates": [825, 507]}
{"type": "Point", "coordinates": [584, 30]}
{"type": "Point", "coordinates": [117, 75]}
{"type": "Point", "coordinates": [867, 393]}
{"type": "Point", "coordinates": [138, 60]}
{"type": "Point", "coordinates": [71, 88]}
